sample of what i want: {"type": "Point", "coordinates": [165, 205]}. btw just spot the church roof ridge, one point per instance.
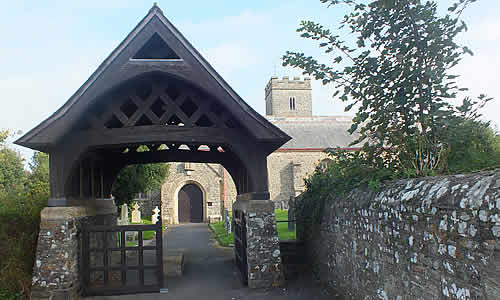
{"type": "Point", "coordinates": [309, 118]}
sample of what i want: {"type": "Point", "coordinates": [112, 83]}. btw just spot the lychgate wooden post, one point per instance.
{"type": "Point", "coordinates": [156, 91]}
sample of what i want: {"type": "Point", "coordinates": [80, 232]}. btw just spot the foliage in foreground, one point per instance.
{"type": "Point", "coordinates": [18, 236]}
{"type": "Point", "coordinates": [395, 67]}
{"type": "Point", "coordinates": [22, 196]}
{"type": "Point", "coordinates": [392, 61]}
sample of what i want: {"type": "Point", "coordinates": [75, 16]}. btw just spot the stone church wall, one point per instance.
{"type": "Point", "coordinates": [287, 171]}
{"type": "Point", "coordinates": [208, 177]}
{"type": "Point", "coordinates": [427, 238]}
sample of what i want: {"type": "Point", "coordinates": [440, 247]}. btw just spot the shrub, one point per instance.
{"type": "Point", "coordinates": [19, 226]}
{"type": "Point", "coordinates": [21, 200]}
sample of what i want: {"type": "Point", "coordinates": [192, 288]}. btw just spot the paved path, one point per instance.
{"type": "Point", "coordinates": [210, 273]}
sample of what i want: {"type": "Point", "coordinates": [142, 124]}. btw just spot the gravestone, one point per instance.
{"type": "Point", "coordinates": [155, 216]}
{"type": "Point", "coordinates": [291, 214]}
{"type": "Point", "coordinates": [136, 214]}
{"type": "Point", "coordinates": [123, 220]}
{"type": "Point", "coordinates": [227, 221]}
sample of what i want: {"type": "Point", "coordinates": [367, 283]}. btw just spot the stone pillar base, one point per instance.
{"type": "Point", "coordinates": [56, 269]}
{"type": "Point", "coordinates": [55, 273]}
{"type": "Point", "coordinates": [262, 243]}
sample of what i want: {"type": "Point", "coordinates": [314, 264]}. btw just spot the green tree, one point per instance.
{"type": "Point", "coordinates": [12, 173]}
{"type": "Point", "coordinates": [397, 72]}
{"type": "Point", "coordinates": [138, 178]}
{"type": "Point", "coordinates": [471, 144]}
{"type": "Point", "coordinates": [38, 180]}
{"type": "Point", "coordinates": [3, 136]}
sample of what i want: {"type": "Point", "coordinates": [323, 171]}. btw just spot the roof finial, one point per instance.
{"type": "Point", "coordinates": [156, 7]}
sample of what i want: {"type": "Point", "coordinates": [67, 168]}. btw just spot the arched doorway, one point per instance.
{"type": "Point", "coordinates": [190, 204]}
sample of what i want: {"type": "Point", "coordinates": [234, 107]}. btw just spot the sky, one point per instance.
{"type": "Point", "coordinates": [49, 48]}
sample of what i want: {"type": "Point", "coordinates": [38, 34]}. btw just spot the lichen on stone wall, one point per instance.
{"type": "Point", "coordinates": [427, 238]}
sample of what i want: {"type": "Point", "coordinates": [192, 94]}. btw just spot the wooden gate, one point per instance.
{"type": "Point", "coordinates": [118, 260]}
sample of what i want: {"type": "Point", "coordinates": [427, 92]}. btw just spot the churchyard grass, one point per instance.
{"type": "Point", "coordinates": [225, 239]}
{"type": "Point", "coordinates": [146, 235]}
{"type": "Point", "coordinates": [283, 233]}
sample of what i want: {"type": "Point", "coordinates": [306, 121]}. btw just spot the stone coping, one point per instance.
{"type": "Point", "coordinates": [65, 213]}
{"type": "Point", "coordinates": [254, 196]}
{"type": "Point", "coordinates": [254, 205]}
{"type": "Point", "coordinates": [79, 208]}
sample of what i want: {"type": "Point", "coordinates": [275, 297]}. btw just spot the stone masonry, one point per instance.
{"type": "Point", "coordinates": [209, 178]}
{"type": "Point", "coordinates": [287, 171]}
{"type": "Point", "coordinates": [55, 273]}
{"type": "Point", "coordinates": [279, 93]}
{"type": "Point", "coordinates": [427, 238]}
{"type": "Point", "coordinates": [263, 252]}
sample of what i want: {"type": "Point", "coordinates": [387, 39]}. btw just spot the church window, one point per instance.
{"type": "Point", "coordinates": [292, 103]}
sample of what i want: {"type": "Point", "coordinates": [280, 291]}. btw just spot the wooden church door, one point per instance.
{"type": "Point", "coordinates": [190, 204]}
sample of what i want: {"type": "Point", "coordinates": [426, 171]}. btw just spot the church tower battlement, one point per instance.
{"type": "Point", "coordinates": [288, 98]}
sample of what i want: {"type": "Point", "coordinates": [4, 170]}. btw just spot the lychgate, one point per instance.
{"type": "Point", "coordinates": [156, 91]}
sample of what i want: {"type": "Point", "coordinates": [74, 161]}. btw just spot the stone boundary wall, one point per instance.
{"type": "Point", "coordinates": [427, 238]}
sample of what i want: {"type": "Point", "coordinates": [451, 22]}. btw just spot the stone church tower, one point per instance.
{"type": "Point", "coordinates": [289, 98]}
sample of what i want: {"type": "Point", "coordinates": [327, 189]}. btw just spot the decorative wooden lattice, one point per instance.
{"type": "Point", "coordinates": [163, 104]}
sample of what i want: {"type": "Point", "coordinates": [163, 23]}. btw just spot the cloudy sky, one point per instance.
{"type": "Point", "coordinates": [49, 48]}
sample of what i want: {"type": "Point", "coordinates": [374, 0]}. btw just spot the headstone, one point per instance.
{"type": "Point", "coordinates": [155, 216]}
{"type": "Point", "coordinates": [227, 221]}
{"type": "Point", "coordinates": [136, 214]}
{"type": "Point", "coordinates": [123, 220]}
{"type": "Point", "coordinates": [291, 214]}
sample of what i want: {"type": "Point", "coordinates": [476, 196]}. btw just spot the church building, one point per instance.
{"type": "Point", "coordinates": [198, 192]}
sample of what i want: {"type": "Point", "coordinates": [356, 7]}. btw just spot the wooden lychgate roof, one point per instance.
{"type": "Point", "coordinates": [154, 46]}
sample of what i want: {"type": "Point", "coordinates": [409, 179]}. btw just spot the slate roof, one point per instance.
{"type": "Point", "coordinates": [317, 132]}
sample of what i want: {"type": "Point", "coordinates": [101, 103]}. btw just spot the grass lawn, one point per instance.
{"type": "Point", "coordinates": [283, 233]}
{"type": "Point", "coordinates": [221, 235]}
{"type": "Point", "coordinates": [225, 239]}
{"type": "Point", "coordinates": [146, 235]}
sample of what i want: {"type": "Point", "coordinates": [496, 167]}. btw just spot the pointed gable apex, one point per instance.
{"type": "Point", "coordinates": [170, 53]}
{"type": "Point", "coordinates": [156, 48]}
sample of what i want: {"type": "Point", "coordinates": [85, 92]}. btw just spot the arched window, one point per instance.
{"type": "Point", "coordinates": [292, 103]}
